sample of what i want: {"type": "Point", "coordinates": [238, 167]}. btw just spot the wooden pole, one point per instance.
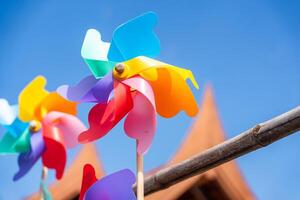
{"type": "Point", "coordinates": [43, 178]}
{"type": "Point", "coordinates": [140, 175]}
{"type": "Point", "coordinates": [255, 138]}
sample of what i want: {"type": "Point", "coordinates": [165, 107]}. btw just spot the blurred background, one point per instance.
{"type": "Point", "coordinates": [247, 50]}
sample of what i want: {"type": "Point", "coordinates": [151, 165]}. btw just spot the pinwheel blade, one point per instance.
{"type": "Point", "coordinates": [94, 52]}
{"type": "Point", "coordinates": [30, 97]}
{"type": "Point", "coordinates": [116, 186]}
{"type": "Point", "coordinates": [78, 92]}
{"type": "Point", "coordinates": [135, 38]}
{"type": "Point", "coordinates": [28, 159]}
{"type": "Point", "coordinates": [35, 102]}
{"type": "Point", "coordinates": [140, 123]}
{"type": "Point", "coordinates": [55, 102]}
{"type": "Point", "coordinates": [104, 116]}
{"type": "Point", "coordinates": [8, 113]}
{"type": "Point", "coordinates": [172, 93]}
{"type": "Point", "coordinates": [89, 89]}
{"type": "Point", "coordinates": [16, 128]}
{"type": "Point", "coordinates": [88, 179]}
{"type": "Point", "coordinates": [54, 156]}
{"type": "Point", "coordinates": [64, 126]}
{"type": "Point", "coordinates": [146, 67]}
{"type": "Point", "coordinates": [12, 145]}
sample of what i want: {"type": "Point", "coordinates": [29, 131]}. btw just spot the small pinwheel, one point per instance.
{"type": "Point", "coordinates": [114, 186]}
{"type": "Point", "coordinates": [55, 126]}
{"type": "Point", "coordinates": [46, 126]}
{"type": "Point", "coordinates": [127, 82]}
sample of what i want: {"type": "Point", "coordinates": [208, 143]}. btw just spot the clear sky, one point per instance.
{"type": "Point", "coordinates": [248, 50]}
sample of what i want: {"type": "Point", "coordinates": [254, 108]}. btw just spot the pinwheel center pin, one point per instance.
{"type": "Point", "coordinates": [119, 68]}
{"type": "Point", "coordinates": [35, 126]}
{"type": "Point", "coordinates": [121, 71]}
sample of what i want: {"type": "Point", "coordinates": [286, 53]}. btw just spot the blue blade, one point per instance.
{"type": "Point", "coordinates": [135, 38]}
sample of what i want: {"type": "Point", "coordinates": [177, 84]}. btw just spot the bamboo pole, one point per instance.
{"type": "Point", "coordinates": [43, 178]}
{"type": "Point", "coordinates": [140, 175]}
{"type": "Point", "coordinates": [255, 138]}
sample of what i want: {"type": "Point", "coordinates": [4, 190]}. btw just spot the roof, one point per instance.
{"type": "Point", "coordinates": [206, 132]}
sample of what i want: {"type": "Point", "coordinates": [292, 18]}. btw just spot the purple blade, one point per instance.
{"type": "Point", "coordinates": [101, 89]}
{"type": "Point", "coordinates": [75, 93]}
{"type": "Point", "coordinates": [116, 186]}
{"type": "Point", "coordinates": [28, 159]}
{"type": "Point", "coordinates": [88, 89]}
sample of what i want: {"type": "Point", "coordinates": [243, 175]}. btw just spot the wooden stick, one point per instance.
{"type": "Point", "coordinates": [140, 175]}
{"type": "Point", "coordinates": [44, 173]}
{"type": "Point", "coordinates": [255, 138]}
{"type": "Point", "coordinates": [43, 178]}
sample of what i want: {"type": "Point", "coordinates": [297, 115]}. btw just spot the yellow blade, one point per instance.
{"type": "Point", "coordinates": [30, 98]}
{"type": "Point", "coordinates": [35, 102]}
{"type": "Point", "coordinates": [172, 93]}
{"type": "Point", "coordinates": [141, 65]}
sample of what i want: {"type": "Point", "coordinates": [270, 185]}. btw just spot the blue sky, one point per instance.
{"type": "Point", "coordinates": [248, 51]}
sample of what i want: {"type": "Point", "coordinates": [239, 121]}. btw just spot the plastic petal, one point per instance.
{"type": "Point", "coordinates": [135, 38]}
{"type": "Point", "coordinates": [104, 116]}
{"type": "Point", "coordinates": [89, 90]}
{"type": "Point", "coordinates": [102, 90]}
{"type": "Point", "coordinates": [116, 186]}
{"type": "Point", "coordinates": [76, 93]}
{"type": "Point", "coordinates": [16, 128]}
{"type": "Point", "coordinates": [94, 51]}
{"type": "Point", "coordinates": [67, 126]}
{"type": "Point", "coordinates": [28, 159]}
{"type": "Point", "coordinates": [35, 102]}
{"type": "Point", "coordinates": [12, 145]}
{"type": "Point", "coordinates": [140, 123]}
{"type": "Point", "coordinates": [144, 66]}
{"type": "Point", "coordinates": [54, 156]}
{"type": "Point", "coordinates": [30, 98]}
{"type": "Point", "coordinates": [88, 179]}
{"type": "Point", "coordinates": [172, 93]}
{"type": "Point", "coordinates": [55, 102]}
{"type": "Point", "coordinates": [8, 113]}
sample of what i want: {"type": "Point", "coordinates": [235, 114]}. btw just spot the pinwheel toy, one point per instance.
{"type": "Point", "coordinates": [45, 128]}
{"type": "Point", "coordinates": [127, 82]}
{"type": "Point", "coordinates": [114, 186]}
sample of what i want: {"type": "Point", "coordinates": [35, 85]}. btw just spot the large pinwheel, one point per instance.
{"type": "Point", "coordinates": [46, 126]}
{"type": "Point", "coordinates": [128, 82]}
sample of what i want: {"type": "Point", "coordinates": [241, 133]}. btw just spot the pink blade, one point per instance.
{"type": "Point", "coordinates": [140, 123]}
{"type": "Point", "coordinates": [66, 125]}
